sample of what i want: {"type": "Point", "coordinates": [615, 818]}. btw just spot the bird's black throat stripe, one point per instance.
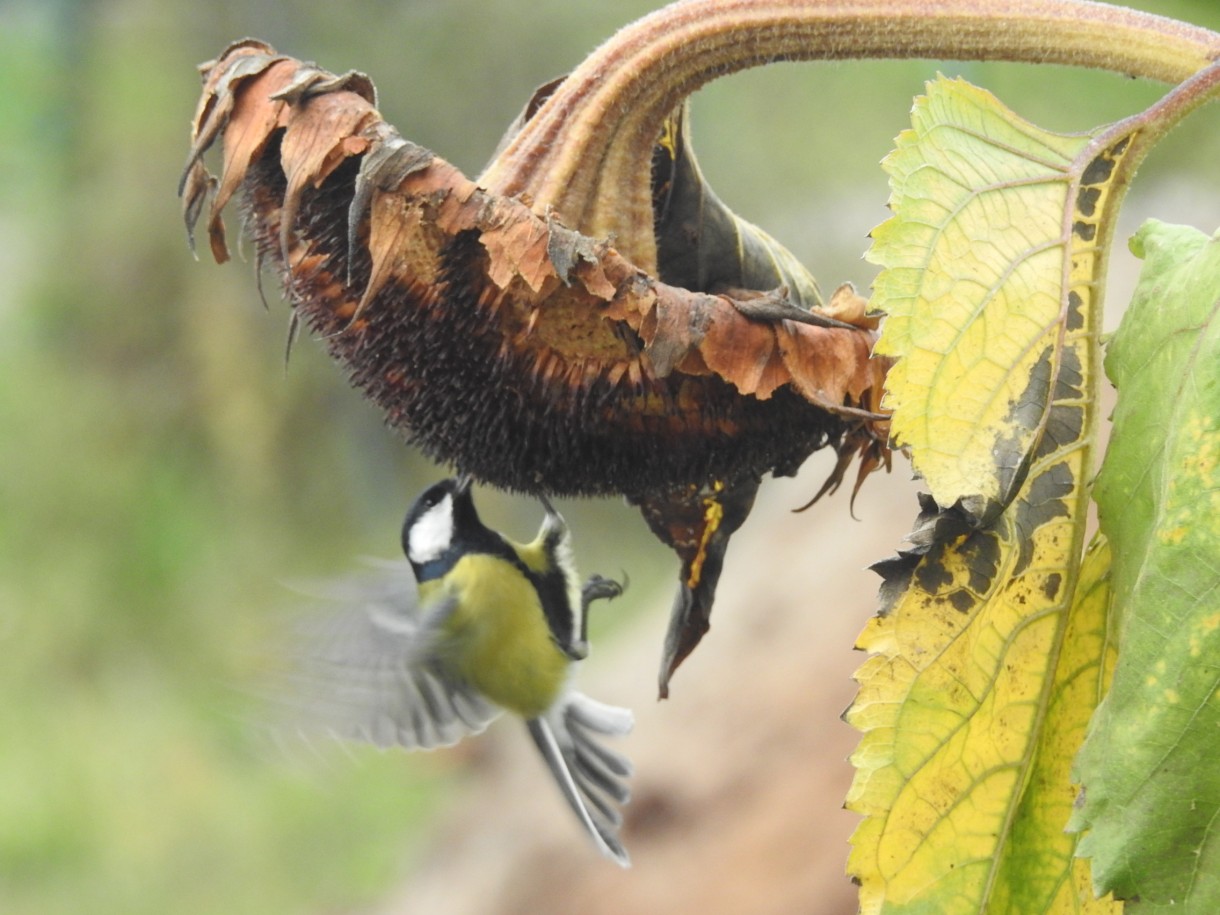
{"type": "Point", "coordinates": [551, 585]}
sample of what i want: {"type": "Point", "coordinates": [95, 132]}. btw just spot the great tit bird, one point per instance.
{"type": "Point", "coordinates": [487, 625]}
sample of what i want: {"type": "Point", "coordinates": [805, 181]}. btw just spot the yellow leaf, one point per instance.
{"type": "Point", "coordinates": [992, 256]}
{"type": "Point", "coordinates": [971, 718]}
{"type": "Point", "coordinates": [1038, 872]}
{"type": "Point", "coordinates": [984, 667]}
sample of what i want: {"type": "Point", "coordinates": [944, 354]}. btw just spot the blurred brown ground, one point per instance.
{"type": "Point", "coordinates": [740, 775]}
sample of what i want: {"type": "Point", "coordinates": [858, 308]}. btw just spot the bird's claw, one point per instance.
{"type": "Point", "coordinates": [597, 587]}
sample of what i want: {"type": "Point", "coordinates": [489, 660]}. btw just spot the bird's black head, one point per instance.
{"type": "Point", "coordinates": [440, 525]}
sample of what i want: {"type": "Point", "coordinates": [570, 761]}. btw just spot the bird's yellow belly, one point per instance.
{"type": "Point", "coordinates": [501, 643]}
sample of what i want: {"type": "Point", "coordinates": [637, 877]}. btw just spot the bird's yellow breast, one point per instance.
{"type": "Point", "coordinates": [497, 637]}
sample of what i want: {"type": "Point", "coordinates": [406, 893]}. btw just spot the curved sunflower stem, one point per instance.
{"type": "Point", "coordinates": [584, 154]}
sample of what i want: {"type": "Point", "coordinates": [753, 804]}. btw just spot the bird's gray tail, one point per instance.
{"type": "Point", "coordinates": [592, 777]}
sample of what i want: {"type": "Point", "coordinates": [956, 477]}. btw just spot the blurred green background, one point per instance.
{"type": "Point", "coordinates": [161, 473]}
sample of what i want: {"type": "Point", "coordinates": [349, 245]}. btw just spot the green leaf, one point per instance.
{"type": "Point", "coordinates": [1149, 767]}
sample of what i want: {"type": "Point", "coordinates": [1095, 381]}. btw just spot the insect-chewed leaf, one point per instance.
{"type": "Point", "coordinates": [1151, 783]}
{"type": "Point", "coordinates": [980, 685]}
{"type": "Point", "coordinates": [990, 261]}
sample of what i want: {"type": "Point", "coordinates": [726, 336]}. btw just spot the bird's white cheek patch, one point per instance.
{"type": "Point", "coordinates": [432, 533]}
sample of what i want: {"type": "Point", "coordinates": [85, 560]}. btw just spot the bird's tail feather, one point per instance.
{"type": "Point", "coordinates": [592, 777]}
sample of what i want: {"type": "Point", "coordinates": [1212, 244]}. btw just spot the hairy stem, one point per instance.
{"type": "Point", "coordinates": [585, 153]}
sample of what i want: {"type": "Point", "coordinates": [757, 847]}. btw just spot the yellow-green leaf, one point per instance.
{"type": "Point", "coordinates": [991, 257]}
{"type": "Point", "coordinates": [972, 705]}
{"type": "Point", "coordinates": [1038, 873]}
{"type": "Point", "coordinates": [985, 658]}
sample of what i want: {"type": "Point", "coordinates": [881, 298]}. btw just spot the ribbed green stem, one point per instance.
{"type": "Point", "coordinates": [585, 153]}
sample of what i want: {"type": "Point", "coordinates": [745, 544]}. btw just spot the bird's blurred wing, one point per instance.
{"type": "Point", "coordinates": [592, 777]}
{"type": "Point", "coordinates": [364, 667]}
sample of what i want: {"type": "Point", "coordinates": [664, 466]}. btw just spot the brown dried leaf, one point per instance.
{"type": "Point", "coordinates": [673, 332]}
{"type": "Point", "coordinates": [252, 116]}
{"type": "Point", "coordinates": [314, 146]}
{"type": "Point", "coordinates": [826, 366]}
{"type": "Point", "coordinates": [850, 307]}
{"type": "Point", "coordinates": [414, 204]}
{"type": "Point", "coordinates": [519, 249]}
{"type": "Point", "coordinates": [740, 350]}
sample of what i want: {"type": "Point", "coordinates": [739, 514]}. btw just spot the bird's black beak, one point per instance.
{"type": "Point", "coordinates": [463, 501]}
{"type": "Point", "coordinates": [546, 504]}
